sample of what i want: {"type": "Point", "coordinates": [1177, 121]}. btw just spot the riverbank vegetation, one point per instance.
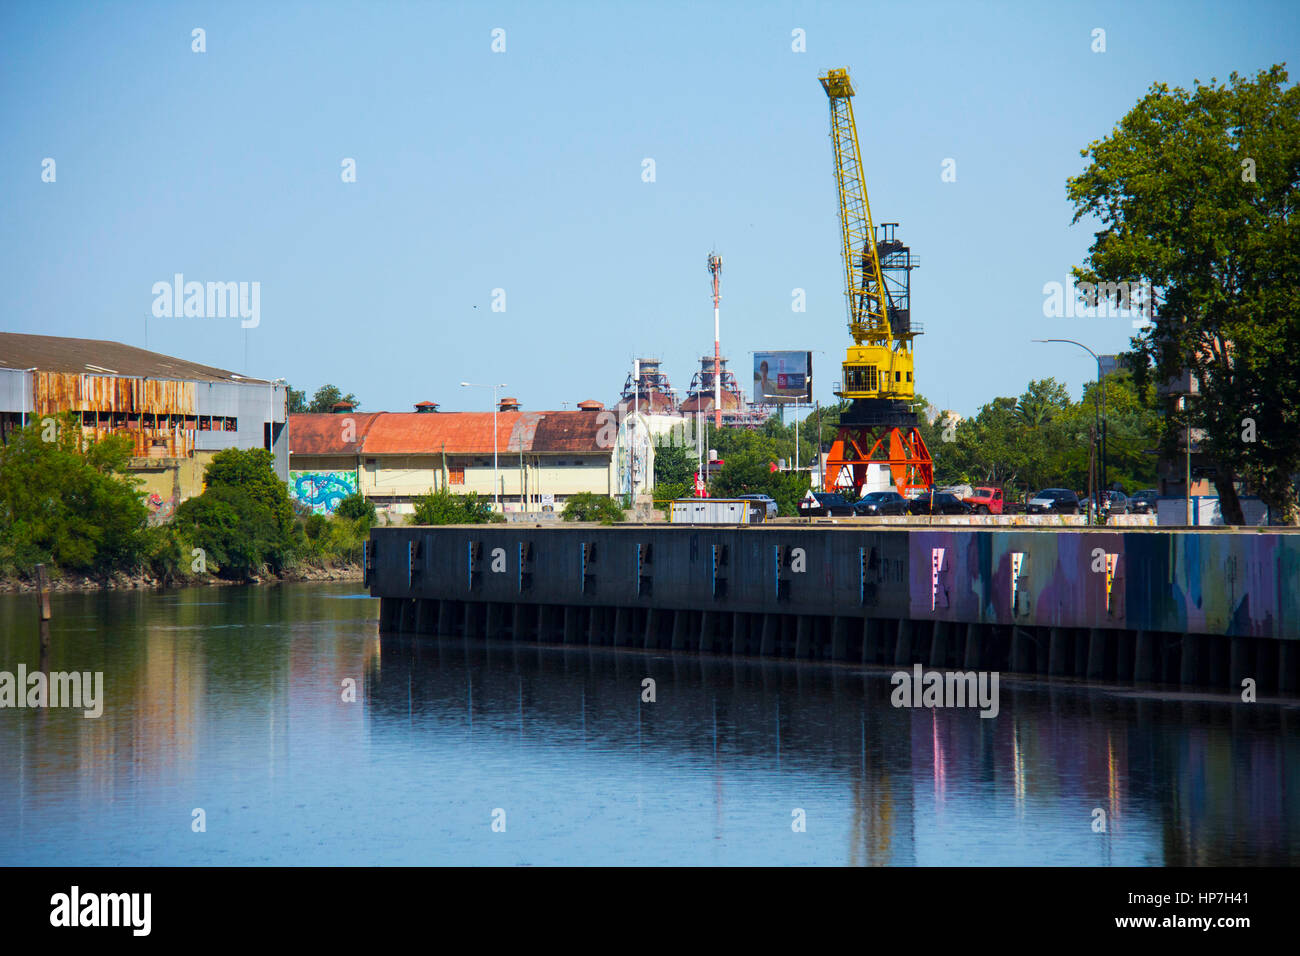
{"type": "Point", "coordinates": [443, 507]}
{"type": "Point", "coordinates": [586, 506]}
{"type": "Point", "coordinates": [72, 504]}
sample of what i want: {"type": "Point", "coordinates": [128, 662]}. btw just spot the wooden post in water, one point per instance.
{"type": "Point", "coordinates": [43, 591]}
{"type": "Point", "coordinates": [43, 604]}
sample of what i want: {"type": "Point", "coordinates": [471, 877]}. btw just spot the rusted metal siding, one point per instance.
{"type": "Point", "coordinates": [158, 415]}
{"type": "Point", "coordinates": [63, 391]}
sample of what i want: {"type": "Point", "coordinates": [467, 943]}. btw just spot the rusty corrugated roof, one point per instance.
{"type": "Point", "coordinates": [461, 433]}
{"type": "Point", "coordinates": [571, 431]}
{"type": "Point", "coordinates": [57, 353]}
{"type": "Point", "coordinates": [323, 433]}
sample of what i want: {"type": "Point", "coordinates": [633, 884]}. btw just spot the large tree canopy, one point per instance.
{"type": "Point", "coordinates": [1196, 195]}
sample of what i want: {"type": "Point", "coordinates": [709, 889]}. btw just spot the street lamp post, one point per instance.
{"type": "Point", "coordinates": [496, 501]}
{"type": "Point", "coordinates": [1101, 418]}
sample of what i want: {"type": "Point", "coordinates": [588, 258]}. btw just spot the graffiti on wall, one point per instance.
{"type": "Point", "coordinates": [160, 509]}
{"type": "Point", "coordinates": [322, 490]}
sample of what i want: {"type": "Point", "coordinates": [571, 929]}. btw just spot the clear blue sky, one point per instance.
{"type": "Point", "coordinates": [522, 170]}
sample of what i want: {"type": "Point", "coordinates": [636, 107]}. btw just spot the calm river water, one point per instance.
{"type": "Point", "coordinates": [230, 701]}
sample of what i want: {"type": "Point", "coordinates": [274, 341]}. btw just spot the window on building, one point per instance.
{"type": "Point", "coordinates": [455, 476]}
{"type": "Point", "coordinates": [860, 378]}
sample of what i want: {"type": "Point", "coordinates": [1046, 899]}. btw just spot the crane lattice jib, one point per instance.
{"type": "Point", "coordinates": [864, 284]}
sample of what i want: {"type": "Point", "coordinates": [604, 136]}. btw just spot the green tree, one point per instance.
{"type": "Point", "coordinates": [1041, 402]}
{"type": "Point", "coordinates": [68, 501]}
{"type": "Point", "coordinates": [749, 472]}
{"type": "Point", "coordinates": [586, 506]}
{"type": "Point", "coordinates": [253, 470]}
{"type": "Point", "coordinates": [327, 396]}
{"type": "Point", "coordinates": [243, 521]}
{"type": "Point", "coordinates": [443, 507]}
{"type": "Point", "coordinates": [1195, 192]}
{"type": "Point", "coordinates": [674, 464]}
{"type": "Point", "coordinates": [238, 533]}
{"type": "Point", "coordinates": [664, 494]}
{"type": "Point", "coordinates": [297, 401]}
{"type": "Point", "coordinates": [357, 507]}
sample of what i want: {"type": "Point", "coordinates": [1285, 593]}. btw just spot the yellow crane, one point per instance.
{"type": "Point", "coordinates": [879, 427]}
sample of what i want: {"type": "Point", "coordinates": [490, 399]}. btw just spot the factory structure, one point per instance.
{"type": "Point", "coordinates": [178, 414]}
{"type": "Point", "coordinates": [521, 460]}
{"type": "Point", "coordinates": [714, 394]}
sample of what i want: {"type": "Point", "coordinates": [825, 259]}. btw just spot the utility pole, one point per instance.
{"type": "Point", "coordinates": [715, 270]}
{"type": "Point", "coordinates": [699, 448]}
{"type": "Point", "coordinates": [796, 441]}
{"type": "Point", "coordinates": [821, 461]}
{"type": "Point", "coordinates": [1092, 473]}
{"type": "Point", "coordinates": [636, 414]}
{"type": "Point", "coordinates": [1187, 484]}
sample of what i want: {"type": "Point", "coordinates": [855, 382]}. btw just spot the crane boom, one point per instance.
{"type": "Point", "coordinates": [878, 366]}
{"type": "Point", "coordinates": [863, 283]}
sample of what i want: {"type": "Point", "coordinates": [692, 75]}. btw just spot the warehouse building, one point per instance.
{"type": "Point", "coordinates": [541, 458]}
{"type": "Point", "coordinates": [177, 413]}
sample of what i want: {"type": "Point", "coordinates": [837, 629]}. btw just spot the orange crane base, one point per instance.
{"type": "Point", "coordinates": [857, 446]}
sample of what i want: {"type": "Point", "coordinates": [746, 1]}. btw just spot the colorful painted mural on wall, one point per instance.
{"type": "Point", "coordinates": [1237, 584]}
{"type": "Point", "coordinates": [160, 509]}
{"type": "Point", "coordinates": [322, 490]}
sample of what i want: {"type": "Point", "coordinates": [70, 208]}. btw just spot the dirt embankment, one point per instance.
{"type": "Point", "coordinates": [126, 582]}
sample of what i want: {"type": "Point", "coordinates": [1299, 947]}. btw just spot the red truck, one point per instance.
{"type": "Point", "coordinates": [988, 501]}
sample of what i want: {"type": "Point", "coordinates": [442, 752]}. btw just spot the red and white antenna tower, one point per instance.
{"type": "Point", "coordinates": [715, 270]}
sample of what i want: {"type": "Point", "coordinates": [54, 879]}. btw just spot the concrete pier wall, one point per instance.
{"type": "Point", "coordinates": [1201, 608]}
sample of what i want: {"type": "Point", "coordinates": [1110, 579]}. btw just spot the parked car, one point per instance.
{"type": "Point", "coordinates": [1143, 502]}
{"type": "Point", "coordinates": [986, 500]}
{"type": "Point", "coordinates": [941, 503]}
{"type": "Point", "coordinates": [769, 505]}
{"type": "Point", "coordinates": [818, 504]}
{"type": "Point", "coordinates": [1061, 501]}
{"type": "Point", "coordinates": [881, 503]}
{"type": "Point", "coordinates": [1114, 502]}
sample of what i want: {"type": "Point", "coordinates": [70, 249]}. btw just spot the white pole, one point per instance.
{"type": "Point", "coordinates": [717, 367]}
{"type": "Point", "coordinates": [699, 442]}
{"type": "Point", "coordinates": [636, 407]}
{"type": "Point", "coordinates": [496, 502]}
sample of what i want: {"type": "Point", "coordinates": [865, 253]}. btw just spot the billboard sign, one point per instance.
{"type": "Point", "coordinates": [783, 378]}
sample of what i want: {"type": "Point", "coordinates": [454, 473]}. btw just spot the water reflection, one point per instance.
{"type": "Point", "coordinates": [235, 705]}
